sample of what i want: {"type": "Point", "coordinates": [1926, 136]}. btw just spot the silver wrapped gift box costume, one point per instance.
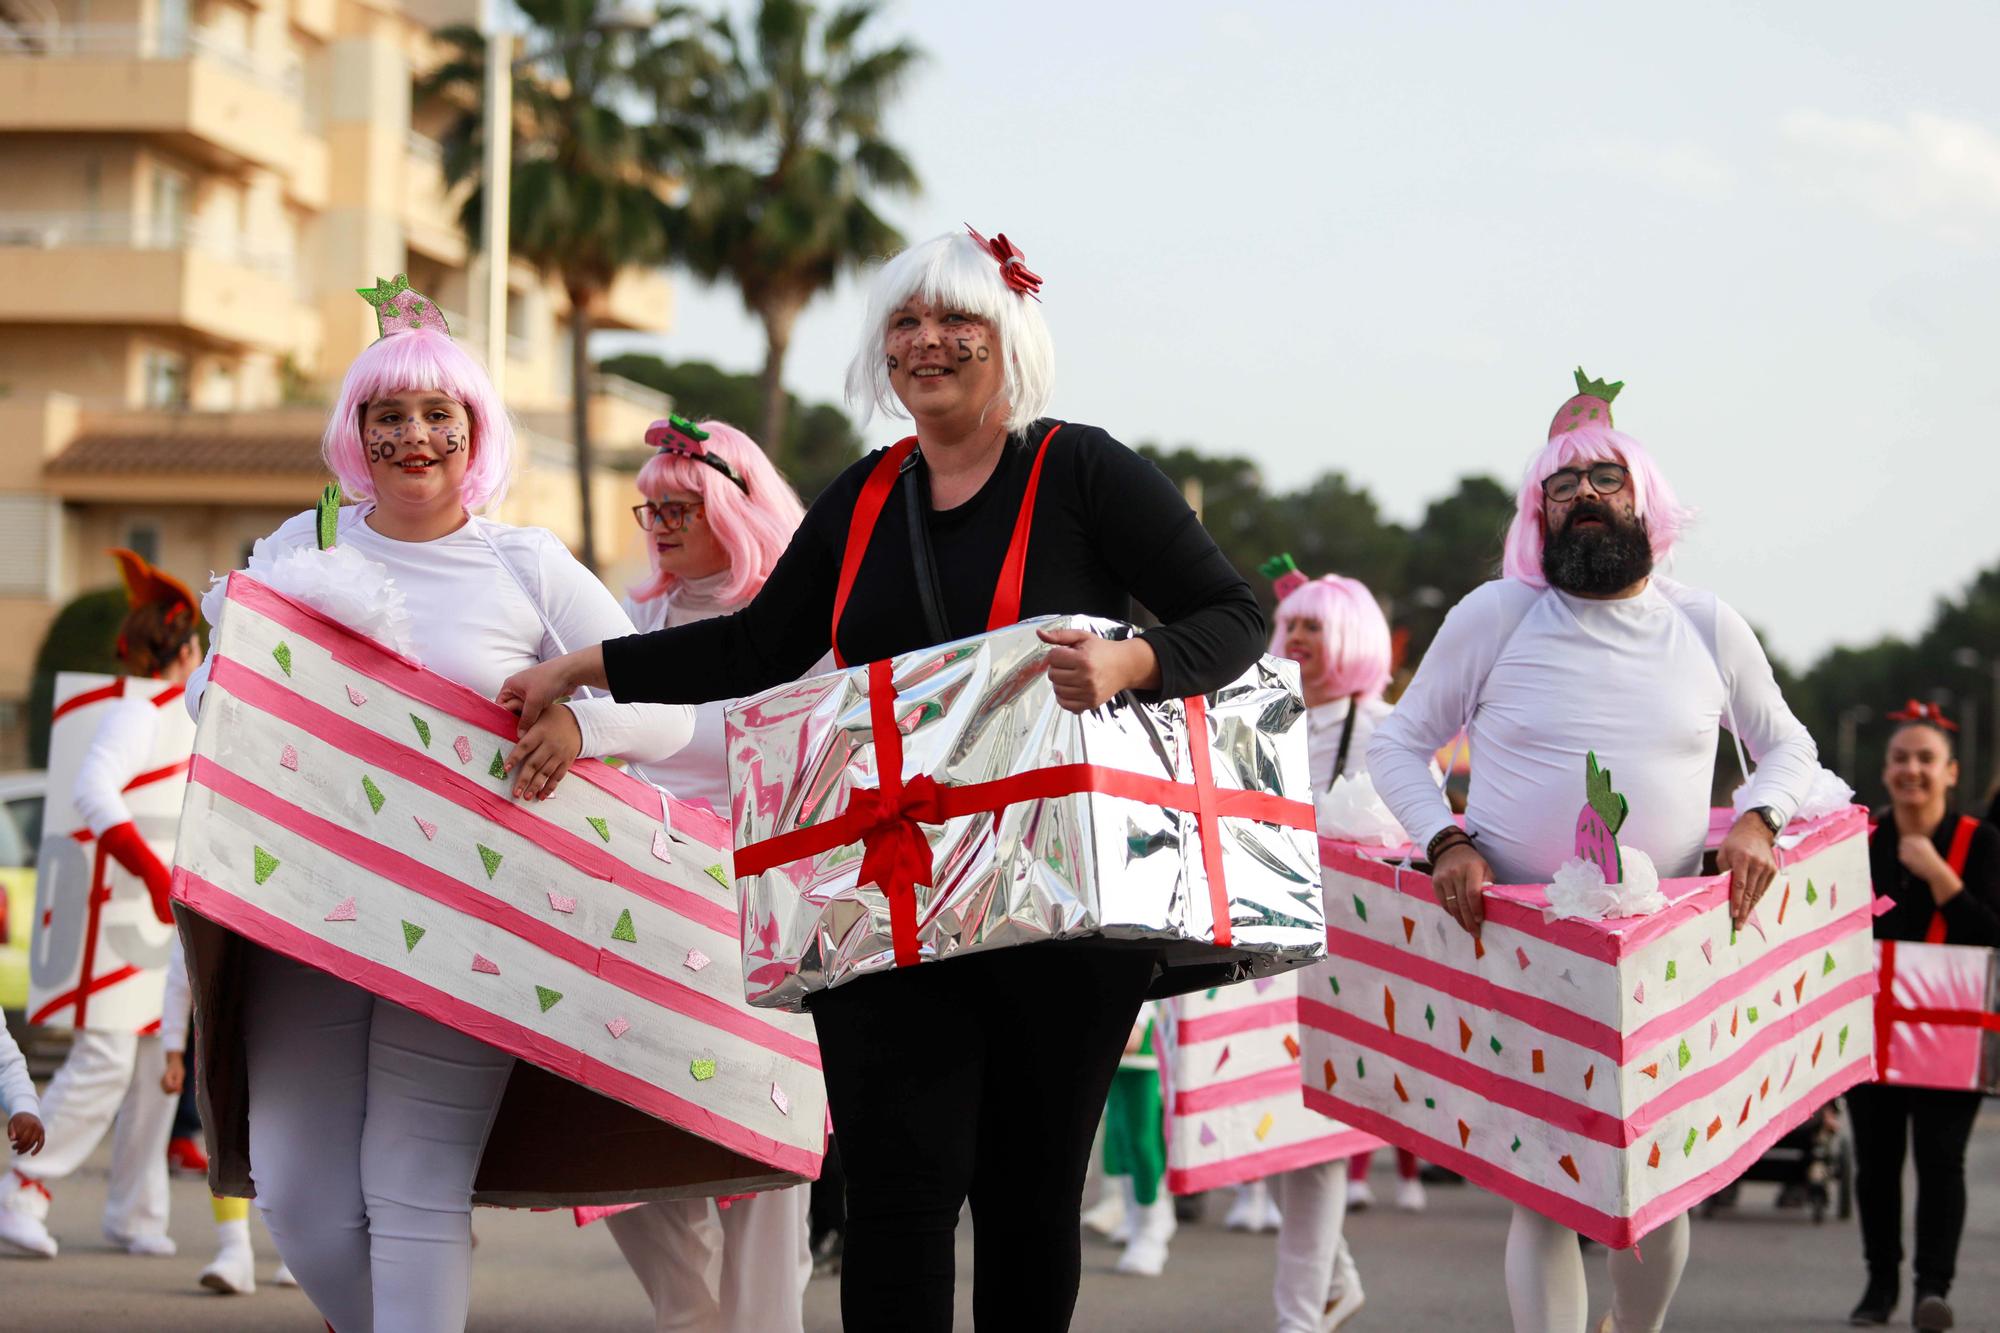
{"type": "Point", "coordinates": [942, 802]}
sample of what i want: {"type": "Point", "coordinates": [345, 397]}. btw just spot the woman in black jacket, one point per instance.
{"type": "Point", "coordinates": [981, 1078]}
{"type": "Point", "coordinates": [1941, 870]}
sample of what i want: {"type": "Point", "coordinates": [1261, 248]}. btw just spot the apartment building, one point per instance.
{"type": "Point", "coordinates": [190, 191]}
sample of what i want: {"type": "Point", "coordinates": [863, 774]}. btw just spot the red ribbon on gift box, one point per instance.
{"type": "Point", "coordinates": [1887, 1011]}
{"type": "Point", "coordinates": [887, 820]}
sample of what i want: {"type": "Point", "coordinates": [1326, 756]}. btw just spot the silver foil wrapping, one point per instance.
{"type": "Point", "coordinates": [1089, 865]}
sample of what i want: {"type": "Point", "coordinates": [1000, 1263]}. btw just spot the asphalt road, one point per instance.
{"type": "Point", "coordinates": [1761, 1270]}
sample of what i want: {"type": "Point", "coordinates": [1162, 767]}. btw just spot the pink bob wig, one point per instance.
{"type": "Point", "coordinates": [1354, 634]}
{"type": "Point", "coordinates": [754, 526]}
{"type": "Point", "coordinates": [430, 362]}
{"type": "Point", "coordinates": [1653, 499]}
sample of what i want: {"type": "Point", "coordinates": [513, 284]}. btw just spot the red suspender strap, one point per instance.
{"type": "Point", "coordinates": [867, 509]}
{"type": "Point", "coordinates": [1014, 569]}
{"type": "Point", "coordinates": [1961, 847]}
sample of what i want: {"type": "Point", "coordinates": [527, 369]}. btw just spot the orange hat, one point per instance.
{"type": "Point", "coordinates": [145, 585]}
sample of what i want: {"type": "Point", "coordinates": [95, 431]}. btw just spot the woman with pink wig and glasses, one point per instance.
{"type": "Point", "coordinates": [365, 1121]}
{"type": "Point", "coordinates": [716, 516]}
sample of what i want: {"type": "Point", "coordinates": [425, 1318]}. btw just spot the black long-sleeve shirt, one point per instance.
{"type": "Point", "coordinates": [1971, 917]}
{"type": "Point", "coordinates": [1109, 528]}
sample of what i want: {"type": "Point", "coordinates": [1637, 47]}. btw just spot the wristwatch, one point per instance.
{"type": "Point", "coordinates": [1770, 818]}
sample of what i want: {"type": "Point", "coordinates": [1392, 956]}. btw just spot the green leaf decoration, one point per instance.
{"type": "Point", "coordinates": [375, 797]}
{"type": "Point", "coordinates": [1597, 388]}
{"type": "Point", "coordinates": [1277, 565]}
{"type": "Point", "coordinates": [602, 827]}
{"type": "Point", "coordinates": [623, 930]}
{"type": "Point", "coordinates": [1687, 1148]}
{"type": "Point", "coordinates": [547, 998]}
{"type": "Point", "coordinates": [262, 863]}
{"type": "Point", "coordinates": [686, 427]}
{"type": "Point", "coordinates": [411, 934]}
{"type": "Point", "coordinates": [1360, 908]}
{"type": "Point", "coordinates": [1840, 1048]}
{"type": "Point", "coordinates": [498, 771]}
{"type": "Point", "coordinates": [1672, 971]}
{"type": "Point", "coordinates": [489, 858]}
{"type": "Point", "coordinates": [1597, 793]}
{"type": "Point", "coordinates": [329, 516]}
{"type": "Point", "coordinates": [703, 1068]}
{"type": "Point", "coordinates": [283, 652]}
{"type": "Point", "coordinates": [1684, 1055]}
{"type": "Point", "coordinates": [423, 730]}
{"type": "Point", "coordinates": [1430, 1017]}
{"type": "Point", "coordinates": [720, 876]}
{"type": "Point", "coordinates": [1812, 894]}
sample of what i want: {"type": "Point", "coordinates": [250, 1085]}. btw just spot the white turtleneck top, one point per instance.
{"type": "Point", "coordinates": [699, 771]}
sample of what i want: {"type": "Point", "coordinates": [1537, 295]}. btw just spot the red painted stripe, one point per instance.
{"type": "Point", "coordinates": [1229, 1022]}
{"type": "Point", "coordinates": [370, 746]}
{"type": "Point", "coordinates": [1270, 1162]}
{"type": "Point", "coordinates": [395, 672]}
{"type": "Point", "coordinates": [151, 1029]}
{"type": "Point", "coordinates": [147, 779]}
{"type": "Point", "coordinates": [1270, 1083]}
{"type": "Point", "coordinates": [96, 984]}
{"type": "Point", "coordinates": [260, 927]}
{"type": "Point", "coordinates": [115, 690]}
{"type": "Point", "coordinates": [440, 888]}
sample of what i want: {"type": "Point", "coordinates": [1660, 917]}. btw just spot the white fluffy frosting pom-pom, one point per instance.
{"type": "Point", "coordinates": [1578, 890]}
{"type": "Point", "coordinates": [1825, 796]}
{"type": "Point", "coordinates": [339, 583]}
{"type": "Point", "coordinates": [1353, 811]}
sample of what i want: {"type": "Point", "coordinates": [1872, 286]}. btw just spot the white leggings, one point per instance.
{"type": "Point", "coordinates": [366, 1125]}
{"type": "Point", "coordinates": [1313, 1203]}
{"type": "Point", "coordinates": [1545, 1287]}
{"type": "Point", "coordinates": [744, 1271]}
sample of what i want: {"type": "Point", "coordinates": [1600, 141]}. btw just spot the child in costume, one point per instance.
{"type": "Point", "coordinates": [716, 515]}
{"type": "Point", "coordinates": [110, 1079]}
{"type": "Point", "coordinates": [366, 1121]}
{"type": "Point", "coordinates": [1135, 1153]}
{"type": "Point", "coordinates": [25, 1133]}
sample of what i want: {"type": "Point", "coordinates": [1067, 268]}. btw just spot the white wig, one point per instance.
{"type": "Point", "coordinates": [954, 271]}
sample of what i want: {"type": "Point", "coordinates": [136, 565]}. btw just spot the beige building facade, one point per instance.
{"type": "Point", "coordinates": [190, 192]}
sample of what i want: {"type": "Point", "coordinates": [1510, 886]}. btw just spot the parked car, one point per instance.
{"type": "Point", "coordinates": [21, 797]}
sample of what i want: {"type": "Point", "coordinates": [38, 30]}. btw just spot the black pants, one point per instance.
{"type": "Point", "coordinates": [828, 1209]}
{"type": "Point", "coordinates": [980, 1077]}
{"type": "Point", "coordinates": [1939, 1123]}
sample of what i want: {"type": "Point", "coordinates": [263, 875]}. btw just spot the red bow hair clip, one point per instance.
{"type": "Point", "coordinates": [1014, 269]}
{"type": "Point", "coordinates": [1931, 714]}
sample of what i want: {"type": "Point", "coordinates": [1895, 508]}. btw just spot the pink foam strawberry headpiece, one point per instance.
{"type": "Point", "coordinates": [1590, 405]}
{"type": "Point", "coordinates": [400, 308]}
{"type": "Point", "coordinates": [1285, 575]}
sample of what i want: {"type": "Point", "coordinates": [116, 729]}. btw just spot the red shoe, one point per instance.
{"type": "Point", "coordinates": [186, 1155]}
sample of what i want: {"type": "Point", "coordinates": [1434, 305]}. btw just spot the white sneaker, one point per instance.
{"type": "Point", "coordinates": [146, 1247]}
{"type": "Point", "coordinates": [21, 1224]}
{"type": "Point", "coordinates": [233, 1273]}
{"type": "Point", "coordinates": [1107, 1216]}
{"type": "Point", "coordinates": [283, 1277]}
{"type": "Point", "coordinates": [1344, 1306]}
{"type": "Point", "coordinates": [1146, 1254]}
{"type": "Point", "coordinates": [1252, 1209]}
{"type": "Point", "coordinates": [1410, 1195]}
{"type": "Point", "coordinates": [1359, 1197]}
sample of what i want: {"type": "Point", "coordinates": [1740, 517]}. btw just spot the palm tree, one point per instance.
{"type": "Point", "coordinates": [589, 177]}
{"type": "Point", "coordinates": [799, 106]}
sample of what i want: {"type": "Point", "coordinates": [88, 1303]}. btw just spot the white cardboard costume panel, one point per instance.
{"type": "Point", "coordinates": [99, 954]}
{"type": "Point", "coordinates": [1607, 1074]}
{"type": "Point", "coordinates": [347, 808]}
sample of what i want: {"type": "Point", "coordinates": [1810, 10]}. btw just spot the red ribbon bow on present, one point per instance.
{"type": "Point", "coordinates": [895, 852]}
{"type": "Point", "coordinates": [1014, 269]}
{"type": "Point", "coordinates": [1916, 711]}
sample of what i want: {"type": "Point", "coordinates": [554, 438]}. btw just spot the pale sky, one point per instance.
{"type": "Point", "coordinates": [1376, 239]}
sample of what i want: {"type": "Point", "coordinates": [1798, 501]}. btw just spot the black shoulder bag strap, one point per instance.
{"type": "Point", "coordinates": [1346, 740]}
{"type": "Point", "coordinates": [917, 507]}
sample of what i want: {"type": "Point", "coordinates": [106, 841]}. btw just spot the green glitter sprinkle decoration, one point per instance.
{"type": "Point", "coordinates": [1360, 908]}
{"type": "Point", "coordinates": [547, 998]}
{"type": "Point", "coordinates": [1517, 1143]}
{"type": "Point", "coordinates": [376, 799]}
{"type": "Point", "coordinates": [490, 858]}
{"type": "Point", "coordinates": [1685, 1055]}
{"type": "Point", "coordinates": [1360, 1067]}
{"type": "Point", "coordinates": [1826, 965]}
{"type": "Point", "coordinates": [1430, 1017]}
{"type": "Point", "coordinates": [1672, 970]}
{"type": "Point", "coordinates": [1431, 1102]}
{"type": "Point", "coordinates": [411, 934]}
{"type": "Point", "coordinates": [262, 864]}
{"type": "Point", "coordinates": [423, 730]}
{"type": "Point", "coordinates": [1812, 894]}
{"type": "Point", "coordinates": [1751, 1013]}
{"type": "Point", "coordinates": [1687, 1148]}
{"type": "Point", "coordinates": [720, 876]}
{"type": "Point", "coordinates": [1334, 982]}
{"type": "Point", "coordinates": [1214, 991]}
{"type": "Point", "coordinates": [702, 1069]}
{"type": "Point", "coordinates": [1494, 1042]}
{"type": "Point", "coordinates": [602, 827]}
{"type": "Point", "coordinates": [283, 652]}
{"type": "Point", "coordinates": [498, 772]}
{"type": "Point", "coordinates": [623, 930]}
{"type": "Point", "coordinates": [1841, 1047]}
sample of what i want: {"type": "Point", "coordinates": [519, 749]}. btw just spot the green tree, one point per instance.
{"type": "Point", "coordinates": [83, 637]}
{"type": "Point", "coordinates": [786, 209]}
{"type": "Point", "coordinates": [1454, 549]}
{"type": "Point", "coordinates": [589, 173]}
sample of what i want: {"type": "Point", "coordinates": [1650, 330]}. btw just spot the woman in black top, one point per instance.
{"type": "Point", "coordinates": [981, 1077]}
{"type": "Point", "coordinates": [1942, 872]}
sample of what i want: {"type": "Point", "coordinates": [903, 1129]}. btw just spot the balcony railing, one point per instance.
{"type": "Point", "coordinates": [101, 41]}
{"type": "Point", "coordinates": [127, 231]}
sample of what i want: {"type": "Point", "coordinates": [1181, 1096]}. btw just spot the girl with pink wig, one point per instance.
{"type": "Point", "coordinates": [716, 516]}
{"type": "Point", "coordinates": [359, 1124]}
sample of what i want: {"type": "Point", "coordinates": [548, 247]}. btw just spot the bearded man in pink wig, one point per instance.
{"type": "Point", "coordinates": [1581, 647]}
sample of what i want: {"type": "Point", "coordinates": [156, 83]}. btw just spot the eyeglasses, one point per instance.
{"type": "Point", "coordinates": [1604, 478]}
{"type": "Point", "coordinates": [671, 516]}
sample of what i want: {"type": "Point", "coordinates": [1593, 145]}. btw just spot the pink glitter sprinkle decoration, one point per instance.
{"type": "Point", "coordinates": [780, 1100]}
{"type": "Point", "coordinates": [560, 903]}
{"type": "Point", "coordinates": [1262, 984]}
{"type": "Point", "coordinates": [660, 845]}
{"type": "Point", "coordinates": [1222, 1059]}
{"type": "Point", "coordinates": [481, 963]}
{"type": "Point", "coordinates": [430, 829]}
{"type": "Point", "coordinates": [1207, 1135]}
{"type": "Point", "coordinates": [1708, 950]}
{"type": "Point", "coordinates": [344, 910]}
{"type": "Point", "coordinates": [696, 960]}
{"type": "Point", "coordinates": [617, 1027]}
{"type": "Point", "coordinates": [1713, 1033]}
{"type": "Point", "coordinates": [462, 747]}
{"type": "Point", "coordinates": [1639, 993]}
{"type": "Point", "coordinates": [289, 758]}
{"type": "Point", "coordinates": [1521, 957]}
{"type": "Point", "coordinates": [356, 697]}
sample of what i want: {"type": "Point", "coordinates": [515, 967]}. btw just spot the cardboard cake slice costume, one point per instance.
{"type": "Point", "coordinates": [348, 809]}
